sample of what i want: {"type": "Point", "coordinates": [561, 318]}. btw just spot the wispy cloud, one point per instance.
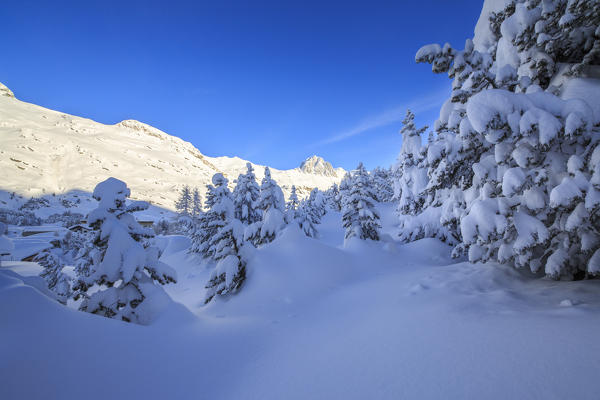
{"type": "Point", "coordinates": [390, 116]}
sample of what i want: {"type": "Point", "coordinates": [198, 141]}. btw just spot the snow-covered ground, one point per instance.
{"type": "Point", "coordinates": [317, 318]}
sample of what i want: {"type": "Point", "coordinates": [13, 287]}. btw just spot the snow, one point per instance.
{"type": "Point", "coordinates": [45, 152]}
{"type": "Point", "coordinates": [327, 314]}
{"type": "Point", "coordinates": [586, 89]}
{"type": "Point", "coordinates": [315, 320]}
{"type": "Point", "coordinates": [484, 38]}
{"type": "Point", "coordinates": [565, 193]}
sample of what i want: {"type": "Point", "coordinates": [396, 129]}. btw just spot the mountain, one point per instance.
{"type": "Point", "coordinates": [45, 152]}
{"type": "Point", "coordinates": [317, 165]}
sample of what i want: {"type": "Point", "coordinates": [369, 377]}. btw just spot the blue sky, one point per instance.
{"type": "Point", "coordinates": [272, 82]}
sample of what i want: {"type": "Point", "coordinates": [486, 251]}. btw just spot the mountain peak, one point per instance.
{"type": "Point", "coordinates": [318, 166]}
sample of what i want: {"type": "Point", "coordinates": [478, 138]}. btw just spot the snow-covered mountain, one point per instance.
{"type": "Point", "coordinates": [44, 151]}
{"type": "Point", "coordinates": [317, 165]}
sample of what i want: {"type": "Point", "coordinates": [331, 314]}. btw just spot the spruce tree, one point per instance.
{"type": "Point", "coordinates": [307, 218]}
{"type": "Point", "coordinates": [292, 205]}
{"type": "Point", "coordinates": [512, 167]}
{"type": "Point", "coordinates": [272, 205]}
{"type": "Point", "coordinates": [196, 207]}
{"type": "Point", "coordinates": [53, 260]}
{"type": "Point", "coordinates": [359, 216]}
{"type": "Point", "coordinates": [316, 203]}
{"type": "Point", "coordinates": [208, 222]}
{"type": "Point", "coordinates": [382, 182]}
{"type": "Point", "coordinates": [122, 266]}
{"type": "Point", "coordinates": [6, 244]}
{"type": "Point", "coordinates": [184, 203]}
{"type": "Point", "coordinates": [226, 246]}
{"type": "Point", "coordinates": [245, 196]}
{"type": "Point", "coordinates": [333, 199]}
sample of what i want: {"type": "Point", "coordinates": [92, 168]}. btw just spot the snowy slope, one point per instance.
{"type": "Point", "coordinates": [44, 151]}
{"type": "Point", "coordinates": [316, 320]}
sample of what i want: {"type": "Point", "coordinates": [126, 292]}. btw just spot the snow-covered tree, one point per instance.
{"type": "Point", "coordinates": [307, 218]}
{"type": "Point", "coordinates": [512, 167]}
{"type": "Point", "coordinates": [53, 261]}
{"type": "Point", "coordinates": [196, 207]}
{"type": "Point", "coordinates": [411, 177]}
{"type": "Point", "coordinates": [226, 246]}
{"type": "Point", "coordinates": [383, 184]}
{"type": "Point", "coordinates": [122, 266]}
{"type": "Point", "coordinates": [332, 196]}
{"type": "Point", "coordinates": [245, 196]}
{"type": "Point", "coordinates": [209, 221]}
{"type": "Point", "coordinates": [272, 205]}
{"type": "Point", "coordinates": [343, 190]}
{"type": "Point", "coordinates": [292, 205]}
{"type": "Point", "coordinates": [359, 216]}
{"type": "Point", "coordinates": [184, 204]}
{"type": "Point", "coordinates": [533, 208]}
{"type": "Point", "coordinates": [66, 251]}
{"type": "Point", "coordinates": [316, 203]}
{"type": "Point", "coordinates": [6, 244]}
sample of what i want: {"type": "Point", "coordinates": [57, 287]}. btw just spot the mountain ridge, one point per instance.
{"type": "Point", "coordinates": [45, 151]}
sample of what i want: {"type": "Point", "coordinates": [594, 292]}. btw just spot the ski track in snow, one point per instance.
{"type": "Point", "coordinates": [316, 319]}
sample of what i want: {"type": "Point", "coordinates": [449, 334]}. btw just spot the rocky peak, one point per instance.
{"type": "Point", "coordinates": [317, 166]}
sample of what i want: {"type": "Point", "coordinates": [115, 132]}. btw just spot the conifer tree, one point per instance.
{"type": "Point", "coordinates": [333, 199]}
{"type": "Point", "coordinates": [245, 196]}
{"type": "Point", "coordinates": [226, 246]}
{"type": "Point", "coordinates": [124, 268]}
{"type": "Point", "coordinates": [209, 221]}
{"type": "Point", "coordinates": [359, 216]}
{"type": "Point", "coordinates": [184, 203]}
{"type": "Point", "coordinates": [512, 166]}
{"type": "Point", "coordinates": [271, 203]}
{"type": "Point", "coordinates": [306, 218]}
{"type": "Point", "coordinates": [316, 203]}
{"type": "Point", "coordinates": [6, 244]}
{"type": "Point", "coordinates": [292, 205]}
{"type": "Point", "coordinates": [196, 208]}
{"type": "Point", "coordinates": [53, 261]}
{"type": "Point", "coordinates": [382, 183]}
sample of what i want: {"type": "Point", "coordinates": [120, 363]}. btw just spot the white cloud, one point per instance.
{"type": "Point", "coordinates": [390, 116]}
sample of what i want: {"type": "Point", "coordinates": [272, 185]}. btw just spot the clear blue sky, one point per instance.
{"type": "Point", "coordinates": [272, 82]}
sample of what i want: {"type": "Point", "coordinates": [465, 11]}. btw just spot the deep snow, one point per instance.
{"type": "Point", "coordinates": [317, 318]}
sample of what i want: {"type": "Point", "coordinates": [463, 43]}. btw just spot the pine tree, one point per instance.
{"type": "Point", "coordinates": [316, 203]}
{"type": "Point", "coordinates": [359, 216]}
{"type": "Point", "coordinates": [512, 167]}
{"type": "Point", "coordinates": [271, 203]}
{"type": "Point", "coordinates": [184, 203]}
{"type": "Point", "coordinates": [292, 205]}
{"type": "Point", "coordinates": [344, 187]}
{"type": "Point", "coordinates": [121, 264]}
{"type": "Point", "coordinates": [306, 218]}
{"type": "Point", "coordinates": [226, 246]}
{"type": "Point", "coordinates": [196, 207]}
{"type": "Point", "coordinates": [412, 179]}
{"type": "Point", "coordinates": [333, 198]}
{"type": "Point", "coordinates": [245, 196]}
{"type": "Point", "coordinates": [52, 262]}
{"type": "Point", "coordinates": [382, 182]}
{"type": "Point", "coordinates": [6, 245]}
{"type": "Point", "coordinates": [207, 226]}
